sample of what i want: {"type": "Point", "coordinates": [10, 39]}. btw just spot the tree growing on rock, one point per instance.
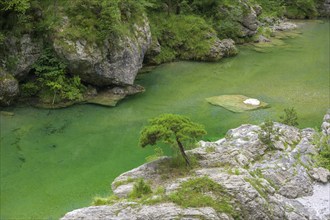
{"type": "Point", "coordinates": [175, 130]}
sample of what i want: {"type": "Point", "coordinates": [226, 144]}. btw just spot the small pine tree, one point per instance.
{"type": "Point", "coordinates": [266, 132]}
{"type": "Point", "coordinates": [171, 129]}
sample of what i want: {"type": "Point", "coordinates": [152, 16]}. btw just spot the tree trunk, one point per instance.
{"type": "Point", "coordinates": [184, 155]}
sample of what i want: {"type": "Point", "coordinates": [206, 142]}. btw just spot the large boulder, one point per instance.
{"type": "Point", "coordinates": [249, 21]}
{"type": "Point", "coordinates": [324, 8]}
{"type": "Point", "coordinates": [114, 61]}
{"type": "Point", "coordinates": [134, 211]}
{"type": "Point", "coordinates": [220, 49]}
{"type": "Point", "coordinates": [18, 54]}
{"type": "Point", "coordinates": [8, 88]}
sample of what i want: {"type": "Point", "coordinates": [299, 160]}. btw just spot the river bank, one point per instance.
{"type": "Point", "coordinates": [71, 155]}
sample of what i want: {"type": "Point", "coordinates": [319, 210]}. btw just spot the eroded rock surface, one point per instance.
{"type": "Point", "coordinates": [19, 54]}
{"type": "Point", "coordinates": [115, 61]}
{"type": "Point", "coordinates": [8, 88]}
{"type": "Point", "coordinates": [263, 183]}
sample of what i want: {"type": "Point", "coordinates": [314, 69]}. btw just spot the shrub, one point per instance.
{"type": "Point", "coordinates": [182, 36]}
{"type": "Point", "coordinates": [140, 189]}
{"type": "Point", "coordinates": [29, 89]}
{"type": "Point", "coordinates": [321, 142]}
{"type": "Point", "coordinates": [53, 80]}
{"type": "Point", "coordinates": [192, 193]}
{"type": "Point", "coordinates": [290, 117]}
{"type": "Point", "coordinates": [266, 134]}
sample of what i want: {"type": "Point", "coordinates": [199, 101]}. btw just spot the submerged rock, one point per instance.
{"type": "Point", "coordinates": [283, 26]}
{"type": "Point", "coordinates": [110, 97]}
{"type": "Point", "coordinates": [236, 103]}
{"type": "Point", "coordinates": [262, 183]}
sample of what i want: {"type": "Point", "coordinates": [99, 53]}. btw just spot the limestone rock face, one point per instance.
{"type": "Point", "coordinates": [324, 8]}
{"type": "Point", "coordinates": [19, 54]}
{"type": "Point", "coordinates": [220, 49]}
{"type": "Point", "coordinates": [250, 21]}
{"type": "Point", "coordinates": [124, 211]}
{"type": "Point", "coordinates": [8, 88]}
{"type": "Point", "coordinates": [153, 51]}
{"type": "Point", "coordinates": [262, 183]}
{"type": "Point", "coordinates": [115, 61]}
{"type": "Point", "coordinates": [283, 26]}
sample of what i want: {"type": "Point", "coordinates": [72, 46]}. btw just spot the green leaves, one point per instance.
{"type": "Point", "coordinates": [15, 5]}
{"type": "Point", "coordinates": [290, 117]}
{"type": "Point", "coordinates": [52, 78]}
{"type": "Point", "coordinates": [171, 129]}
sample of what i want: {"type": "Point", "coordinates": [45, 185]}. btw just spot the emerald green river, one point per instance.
{"type": "Point", "coordinates": [54, 161]}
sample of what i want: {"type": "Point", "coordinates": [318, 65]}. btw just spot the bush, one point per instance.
{"type": "Point", "coordinates": [322, 144]}
{"type": "Point", "coordinates": [290, 117]}
{"type": "Point", "coordinates": [29, 89]}
{"type": "Point", "coordinates": [52, 79]}
{"type": "Point", "coordinates": [140, 189]}
{"type": "Point", "coordinates": [266, 134]}
{"type": "Point", "coordinates": [182, 36]}
{"type": "Point", "coordinates": [192, 193]}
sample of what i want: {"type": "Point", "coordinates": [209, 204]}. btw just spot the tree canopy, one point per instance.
{"type": "Point", "coordinates": [175, 130]}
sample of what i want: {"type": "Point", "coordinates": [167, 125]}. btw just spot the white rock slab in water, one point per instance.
{"type": "Point", "coordinates": [254, 102]}
{"type": "Point", "coordinates": [319, 201]}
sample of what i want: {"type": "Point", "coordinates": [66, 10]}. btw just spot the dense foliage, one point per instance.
{"type": "Point", "coordinates": [53, 81]}
{"type": "Point", "coordinates": [290, 117]}
{"type": "Point", "coordinates": [175, 130]}
{"type": "Point", "coordinates": [185, 29]}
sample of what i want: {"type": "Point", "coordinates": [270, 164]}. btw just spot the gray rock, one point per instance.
{"type": "Point", "coordinates": [19, 54]}
{"type": "Point", "coordinates": [325, 127]}
{"type": "Point", "coordinates": [131, 211]}
{"type": "Point", "coordinates": [9, 89]}
{"type": "Point", "coordinates": [220, 49]}
{"type": "Point", "coordinates": [320, 174]}
{"type": "Point", "coordinates": [261, 183]}
{"type": "Point", "coordinates": [116, 61]}
{"type": "Point", "coordinates": [324, 8]}
{"type": "Point", "coordinates": [249, 22]}
{"type": "Point", "coordinates": [153, 51]}
{"type": "Point", "coordinates": [262, 39]}
{"type": "Point", "coordinates": [284, 26]}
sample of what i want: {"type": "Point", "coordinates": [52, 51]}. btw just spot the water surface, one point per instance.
{"type": "Point", "coordinates": [53, 161]}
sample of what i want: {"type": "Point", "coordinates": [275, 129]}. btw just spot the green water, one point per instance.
{"type": "Point", "coordinates": [55, 161]}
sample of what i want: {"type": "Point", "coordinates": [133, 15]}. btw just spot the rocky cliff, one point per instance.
{"type": "Point", "coordinates": [256, 182]}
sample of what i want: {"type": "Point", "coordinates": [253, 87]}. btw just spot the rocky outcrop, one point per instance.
{"type": "Point", "coordinates": [124, 210]}
{"type": "Point", "coordinates": [262, 183]}
{"type": "Point", "coordinates": [324, 8]}
{"type": "Point", "coordinates": [115, 61]}
{"type": "Point", "coordinates": [19, 54]}
{"type": "Point", "coordinates": [8, 88]}
{"type": "Point", "coordinates": [220, 49]}
{"type": "Point", "coordinates": [282, 25]}
{"type": "Point", "coordinates": [152, 52]}
{"type": "Point", "coordinates": [111, 96]}
{"type": "Point", "coordinates": [249, 21]}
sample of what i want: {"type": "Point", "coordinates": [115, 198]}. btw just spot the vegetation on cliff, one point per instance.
{"type": "Point", "coordinates": [182, 29]}
{"type": "Point", "coordinates": [175, 130]}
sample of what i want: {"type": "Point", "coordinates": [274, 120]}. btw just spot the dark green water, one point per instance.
{"type": "Point", "coordinates": [55, 161]}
